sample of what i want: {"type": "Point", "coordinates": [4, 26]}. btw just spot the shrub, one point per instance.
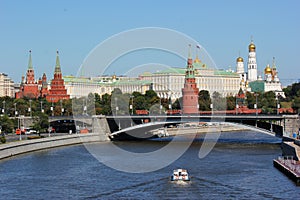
{"type": "Point", "coordinates": [2, 139]}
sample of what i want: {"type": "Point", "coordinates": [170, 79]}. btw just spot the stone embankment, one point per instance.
{"type": "Point", "coordinates": [25, 146]}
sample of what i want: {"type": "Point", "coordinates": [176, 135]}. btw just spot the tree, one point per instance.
{"type": "Point", "coordinates": [204, 100]}
{"type": "Point", "coordinates": [7, 124]}
{"type": "Point", "coordinates": [219, 102]}
{"type": "Point", "coordinates": [230, 102]}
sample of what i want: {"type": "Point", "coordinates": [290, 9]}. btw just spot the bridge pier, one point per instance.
{"type": "Point", "coordinates": [100, 126]}
{"type": "Point", "coordinates": [291, 124]}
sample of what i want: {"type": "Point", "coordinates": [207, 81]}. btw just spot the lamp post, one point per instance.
{"type": "Point", "coordinates": [29, 109]}
{"type": "Point", "coordinates": [170, 102]}
{"type": "Point", "coordinates": [131, 106]}
{"type": "Point", "coordinates": [15, 104]}
{"type": "Point", "coordinates": [117, 108]}
{"type": "Point", "coordinates": [3, 109]}
{"type": "Point", "coordinates": [236, 105]}
{"type": "Point", "coordinates": [277, 104]}
{"type": "Point", "coordinates": [160, 106]}
{"type": "Point", "coordinates": [62, 109]}
{"type": "Point", "coordinates": [255, 105]}
{"type": "Point", "coordinates": [42, 110]}
{"type": "Point", "coordinates": [52, 108]}
{"type": "Point", "coordinates": [84, 106]}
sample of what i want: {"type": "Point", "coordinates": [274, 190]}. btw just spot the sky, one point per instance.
{"type": "Point", "coordinates": [76, 27]}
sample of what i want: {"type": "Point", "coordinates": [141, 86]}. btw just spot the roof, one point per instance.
{"type": "Point", "coordinates": [257, 86]}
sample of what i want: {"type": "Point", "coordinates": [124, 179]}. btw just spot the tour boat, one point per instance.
{"type": "Point", "coordinates": [180, 175]}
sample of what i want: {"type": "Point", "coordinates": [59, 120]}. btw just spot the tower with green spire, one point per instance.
{"type": "Point", "coordinates": [28, 87]}
{"type": "Point", "coordinates": [190, 90]}
{"type": "Point", "coordinates": [58, 91]}
{"type": "Point", "coordinates": [30, 71]}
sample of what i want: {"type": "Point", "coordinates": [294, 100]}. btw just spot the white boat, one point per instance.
{"type": "Point", "coordinates": [180, 175]}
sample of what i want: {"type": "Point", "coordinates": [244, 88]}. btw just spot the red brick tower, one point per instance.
{"type": "Point", "coordinates": [190, 90]}
{"type": "Point", "coordinates": [44, 87]}
{"type": "Point", "coordinates": [58, 90]}
{"type": "Point", "coordinates": [29, 87]}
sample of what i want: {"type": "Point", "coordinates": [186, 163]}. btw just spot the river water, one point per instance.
{"type": "Point", "coordinates": [239, 167]}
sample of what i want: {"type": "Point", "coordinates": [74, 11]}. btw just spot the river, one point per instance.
{"type": "Point", "coordinates": [239, 167]}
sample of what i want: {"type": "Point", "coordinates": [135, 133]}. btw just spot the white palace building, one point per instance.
{"type": "Point", "coordinates": [168, 83]}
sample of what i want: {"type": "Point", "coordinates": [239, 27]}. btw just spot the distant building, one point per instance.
{"type": "Point", "coordinates": [6, 86]}
{"type": "Point", "coordinates": [57, 89]}
{"type": "Point", "coordinates": [251, 82]}
{"type": "Point", "coordinates": [82, 86]}
{"type": "Point", "coordinates": [168, 83]}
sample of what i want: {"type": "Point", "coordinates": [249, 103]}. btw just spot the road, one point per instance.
{"type": "Point", "coordinates": [11, 137]}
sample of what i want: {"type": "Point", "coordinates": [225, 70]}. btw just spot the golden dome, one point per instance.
{"type": "Point", "coordinates": [239, 59]}
{"type": "Point", "coordinates": [252, 47]}
{"type": "Point", "coordinates": [268, 70]}
{"type": "Point", "coordinates": [114, 76]}
{"type": "Point", "coordinates": [197, 60]}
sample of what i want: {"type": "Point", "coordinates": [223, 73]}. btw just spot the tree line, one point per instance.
{"type": "Point", "coordinates": [125, 103]}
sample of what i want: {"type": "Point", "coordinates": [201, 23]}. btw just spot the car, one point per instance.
{"type": "Point", "coordinates": [30, 131]}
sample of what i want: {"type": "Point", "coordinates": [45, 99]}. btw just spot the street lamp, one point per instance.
{"type": "Point", "coordinates": [84, 103]}
{"type": "Point", "coordinates": [131, 106]}
{"type": "Point", "coordinates": [117, 108]}
{"type": "Point", "coordinates": [15, 104]}
{"type": "Point", "coordinates": [52, 108]}
{"type": "Point", "coordinates": [170, 102]}
{"type": "Point", "coordinates": [3, 109]}
{"type": "Point", "coordinates": [236, 105]}
{"type": "Point", "coordinates": [62, 109]}
{"type": "Point", "coordinates": [277, 104]}
{"type": "Point", "coordinates": [160, 106]}
{"type": "Point", "coordinates": [29, 109]}
{"type": "Point", "coordinates": [42, 110]}
{"type": "Point", "coordinates": [255, 105]}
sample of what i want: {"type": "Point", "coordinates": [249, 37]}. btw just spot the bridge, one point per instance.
{"type": "Point", "coordinates": [124, 125]}
{"type": "Point", "coordinates": [133, 124]}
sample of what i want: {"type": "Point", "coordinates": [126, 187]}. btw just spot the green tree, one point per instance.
{"type": "Point", "coordinates": [219, 102]}
{"type": "Point", "coordinates": [7, 124]}
{"type": "Point", "coordinates": [204, 100]}
{"type": "Point", "coordinates": [230, 102]}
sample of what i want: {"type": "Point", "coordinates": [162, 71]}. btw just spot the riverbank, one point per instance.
{"type": "Point", "coordinates": [25, 146]}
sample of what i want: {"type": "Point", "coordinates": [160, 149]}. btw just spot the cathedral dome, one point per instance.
{"type": "Point", "coordinates": [239, 59]}
{"type": "Point", "coordinates": [252, 47]}
{"type": "Point", "coordinates": [268, 70]}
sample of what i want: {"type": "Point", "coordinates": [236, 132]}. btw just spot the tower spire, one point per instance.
{"type": "Point", "coordinates": [30, 61]}
{"type": "Point", "coordinates": [273, 64]}
{"type": "Point", "coordinates": [190, 54]}
{"type": "Point", "coordinates": [57, 65]}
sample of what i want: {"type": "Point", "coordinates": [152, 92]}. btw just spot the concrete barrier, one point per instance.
{"type": "Point", "coordinates": [25, 146]}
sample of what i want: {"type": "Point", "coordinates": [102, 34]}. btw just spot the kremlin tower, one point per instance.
{"type": "Point", "coordinates": [252, 66]}
{"type": "Point", "coordinates": [28, 87]}
{"type": "Point", "coordinates": [190, 90]}
{"type": "Point", "coordinates": [58, 90]}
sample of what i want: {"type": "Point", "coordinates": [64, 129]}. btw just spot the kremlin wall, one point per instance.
{"type": "Point", "coordinates": [170, 83]}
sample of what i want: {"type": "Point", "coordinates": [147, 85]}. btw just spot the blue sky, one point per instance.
{"type": "Point", "coordinates": [75, 27]}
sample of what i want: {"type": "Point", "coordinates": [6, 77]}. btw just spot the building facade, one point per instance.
{"type": "Point", "coordinates": [6, 86]}
{"type": "Point", "coordinates": [83, 86]}
{"type": "Point", "coordinates": [168, 83]}
{"type": "Point", "coordinates": [251, 82]}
